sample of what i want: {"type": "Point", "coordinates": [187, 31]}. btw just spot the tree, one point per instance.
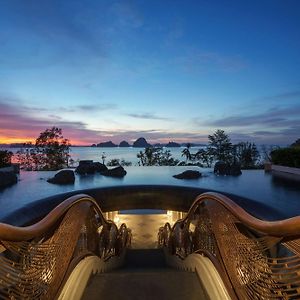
{"type": "Point", "coordinates": [26, 157]}
{"type": "Point", "coordinates": [52, 149]}
{"type": "Point", "coordinates": [186, 152]}
{"type": "Point", "coordinates": [247, 154]}
{"type": "Point", "coordinates": [50, 152]}
{"type": "Point", "coordinates": [155, 156]}
{"type": "Point", "coordinates": [296, 143]}
{"type": "Point", "coordinates": [220, 146]}
{"type": "Point", "coordinates": [205, 157]}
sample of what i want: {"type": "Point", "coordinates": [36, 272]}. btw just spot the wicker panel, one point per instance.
{"type": "Point", "coordinates": [36, 268]}
{"type": "Point", "coordinates": [256, 260]}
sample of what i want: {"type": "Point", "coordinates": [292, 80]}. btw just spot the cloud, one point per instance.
{"type": "Point", "coordinates": [89, 108]}
{"type": "Point", "coordinates": [18, 124]}
{"type": "Point", "coordinates": [295, 94]}
{"type": "Point", "coordinates": [147, 116]}
{"type": "Point", "coordinates": [15, 125]}
{"type": "Point", "coordinates": [278, 125]}
{"type": "Point", "coordinates": [274, 117]}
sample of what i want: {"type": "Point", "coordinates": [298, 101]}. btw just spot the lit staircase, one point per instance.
{"type": "Point", "coordinates": [145, 275]}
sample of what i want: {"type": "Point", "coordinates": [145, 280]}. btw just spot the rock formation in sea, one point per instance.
{"type": "Point", "coordinates": [106, 144]}
{"type": "Point", "coordinates": [63, 177]}
{"type": "Point", "coordinates": [173, 144]}
{"type": "Point", "coordinates": [90, 167]}
{"type": "Point", "coordinates": [188, 174]}
{"type": "Point", "coordinates": [141, 143]}
{"type": "Point", "coordinates": [7, 178]}
{"type": "Point", "coordinates": [124, 144]}
{"type": "Point", "coordinates": [223, 168]}
{"type": "Point", "coordinates": [115, 172]}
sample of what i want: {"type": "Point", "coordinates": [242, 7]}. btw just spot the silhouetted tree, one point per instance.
{"type": "Point", "coordinates": [246, 154]}
{"type": "Point", "coordinates": [205, 157]}
{"type": "Point", "coordinates": [220, 146]}
{"type": "Point", "coordinates": [296, 143]}
{"type": "Point", "coordinates": [50, 152]}
{"type": "Point", "coordinates": [187, 153]}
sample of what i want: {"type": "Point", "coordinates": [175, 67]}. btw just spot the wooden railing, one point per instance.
{"type": "Point", "coordinates": [256, 259]}
{"type": "Point", "coordinates": [35, 260]}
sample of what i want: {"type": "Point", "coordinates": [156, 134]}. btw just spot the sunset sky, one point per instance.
{"type": "Point", "coordinates": [162, 69]}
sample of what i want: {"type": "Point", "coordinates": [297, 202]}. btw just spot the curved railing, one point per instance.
{"type": "Point", "coordinates": [256, 259]}
{"type": "Point", "coordinates": [35, 260]}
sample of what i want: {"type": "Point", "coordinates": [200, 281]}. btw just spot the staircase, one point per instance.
{"type": "Point", "coordinates": [145, 275]}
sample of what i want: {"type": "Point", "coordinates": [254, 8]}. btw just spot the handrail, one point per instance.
{"type": "Point", "coordinates": [287, 227]}
{"type": "Point", "coordinates": [14, 233]}
{"type": "Point", "coordinates": [36, 259]}
{"type": "Point", "coordinates": [257, 259]}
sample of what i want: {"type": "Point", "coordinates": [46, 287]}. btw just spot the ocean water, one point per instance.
{"type": "Point", "coordinates": [128, 154]}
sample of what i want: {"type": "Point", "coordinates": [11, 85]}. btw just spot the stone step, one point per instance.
{"type": "Point", "coordinates": [144, 259]}
{"type": "Point", "coordinates": [145, 275]}
{"type": "Point", "coordinates": [127, 285]}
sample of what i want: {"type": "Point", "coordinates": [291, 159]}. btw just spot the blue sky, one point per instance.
{"type": "Point", "coordinates": [165, 70]}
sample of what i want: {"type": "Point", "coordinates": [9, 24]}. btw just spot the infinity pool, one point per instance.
{"type": "Point", "coordinates": [280, 195]}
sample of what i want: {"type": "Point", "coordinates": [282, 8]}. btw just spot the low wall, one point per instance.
{"type": "Point", "coordinates": [164, 197]}
{"type": "Point", "coordinates": [286, 172]}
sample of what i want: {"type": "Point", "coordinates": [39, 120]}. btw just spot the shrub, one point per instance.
{"type": "Point", "coordinates": [5, 158]}
{"type": "Point", "coordinates": [247, 155]}
{"type": "Point", "coordinates": [156, 157]}
{"type": "Point", "coordinates": [117, 162]}
{"type": "Point", "coordinates": [289, 157]}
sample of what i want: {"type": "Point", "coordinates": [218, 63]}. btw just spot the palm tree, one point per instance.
{"type": "Point", "coordinates": [186, 152]}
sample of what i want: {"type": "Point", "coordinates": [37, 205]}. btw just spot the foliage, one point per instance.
{"type": "Point", "coordinates": [50, 152]}
{"type": "Point", "coordinates": [246, 154]}
{"type": "Point", "coordinates": [26, 157]}
{"type": "Point", "coordinates": [155, 156]}
{"type": "Point", "coordinates": [5, 158]}
{"type": "Point", "coordinates": [296, 143]}
{"type": "Point", "coordinates": [266, 151]}
{"type": "Point", "coordinates": [205, 157]}
{"type": "Point", "coordinates": [117, 162]}
{"type": "Point", "coordinates": [186, 152]}
{"type": "Point", "coordinates": [289, 157]}
{"type": "Point", "coordinates": [220, 146]}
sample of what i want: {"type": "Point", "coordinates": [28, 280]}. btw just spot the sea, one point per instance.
{"type": "Point", "coordinates": [108, 153]}
{"type": "Point", "coordinates": [127, 153]}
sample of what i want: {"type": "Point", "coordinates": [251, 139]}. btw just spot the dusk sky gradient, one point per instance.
{"type": "Point", "coordinates": [165, 70]}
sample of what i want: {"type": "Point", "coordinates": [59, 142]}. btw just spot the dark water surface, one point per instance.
{"type": "Point", "coordinates": [281, 195]}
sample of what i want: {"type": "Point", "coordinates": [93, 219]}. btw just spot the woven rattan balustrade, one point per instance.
{"type": "Point", "coordinates": [35, 261]}
{"type": "Point", "coordinates": [256, 259]}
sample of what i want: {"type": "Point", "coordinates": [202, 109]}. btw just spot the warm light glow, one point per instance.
{"type": "Point", "coordinates": [14, 140]}
{"type": "Point", "coordinates": [116, 219]}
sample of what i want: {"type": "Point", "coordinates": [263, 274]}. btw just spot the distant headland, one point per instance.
{"type": "Point", "coordinates": [142, 143]}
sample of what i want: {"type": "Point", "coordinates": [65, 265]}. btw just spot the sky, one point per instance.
{"type": "Point", "coordinates": [166, 70]}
